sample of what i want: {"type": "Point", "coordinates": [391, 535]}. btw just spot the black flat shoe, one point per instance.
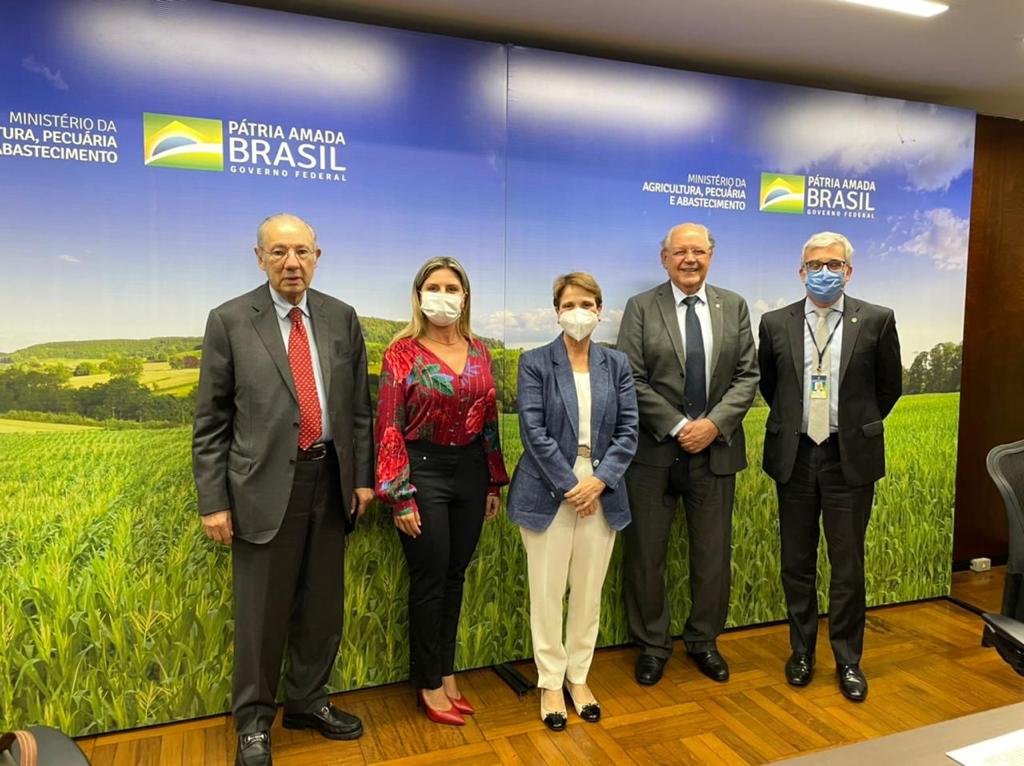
{"type": "Point", "coordinates": [852, 682]}
{"type": "Point", "coordinates": [712, 664]}
{"type": "Point", "coordinates": [328, 720]}
{"type": "Point", "coordinates": [253, 749]}
{"type": "Point", "coordinates": [555, 721]}
{"type": "Point", "coordinates": [649, 669]}
{"type": "Point", "coordinates": [799, 669]}
{"type": "Point", "coordinates": [589, 712]}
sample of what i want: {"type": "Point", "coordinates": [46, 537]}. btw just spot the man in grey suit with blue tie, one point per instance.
{"type": "Point", "coordinates": [830, 372]}
{"type": "Point", "coordinates": [695, 369]}
{"type": "Point", "coordinates": [282, 454]}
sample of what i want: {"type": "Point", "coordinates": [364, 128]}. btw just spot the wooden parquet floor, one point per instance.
{"type": "Point", "coordinates": [924, 663]}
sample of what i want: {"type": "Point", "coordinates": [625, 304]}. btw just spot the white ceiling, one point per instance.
{"type": "Point", "coordinates": [972, 56]}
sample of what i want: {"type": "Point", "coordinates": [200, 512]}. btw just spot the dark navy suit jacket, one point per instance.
{"type": "Point", "coordinates": [549, 427]}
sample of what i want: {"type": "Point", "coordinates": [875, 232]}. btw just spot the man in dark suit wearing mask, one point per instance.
{"type": "Point", "coordinates": [830, 372]}
{"type": "Point", "coordinates": [282, 454]}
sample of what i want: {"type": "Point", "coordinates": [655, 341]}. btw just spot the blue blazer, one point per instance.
{"type": "Point", "coordinates": [548, 425]}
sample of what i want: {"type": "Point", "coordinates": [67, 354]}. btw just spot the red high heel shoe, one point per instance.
{"type": "Point", "coordinates": [462, 704]}
{"type": "Point", "coordinates": [451, 717]}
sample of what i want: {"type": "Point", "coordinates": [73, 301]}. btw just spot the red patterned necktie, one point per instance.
{"type": "Point", "coordinates": [301, 362]}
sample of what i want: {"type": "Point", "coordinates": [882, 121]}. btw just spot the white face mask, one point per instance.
{"type": "Point", "coordinates": [578, 323]}
{"type": "Point", "coordinates": [441, 309]}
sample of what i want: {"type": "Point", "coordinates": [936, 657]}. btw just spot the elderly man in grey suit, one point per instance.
{"type": "Point", "coordinates": [694, 364]}
{"type": "Point", "coordinates": [282, 454]}
{"type": "Point", "coordinates": [830, 372]}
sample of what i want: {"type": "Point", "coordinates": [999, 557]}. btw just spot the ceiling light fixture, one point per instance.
{"type": "Point", "coordinates": [924, 8]}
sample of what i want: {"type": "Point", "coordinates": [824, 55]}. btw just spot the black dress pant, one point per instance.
{"type": "Point", "coordinates": [451, 493]}
{"type": "Point", "coordinates": [290, 590]}
{"type": "Point", "coordinates": [708, 501]}
{"type": "Point", "coordinates": [816, 490]}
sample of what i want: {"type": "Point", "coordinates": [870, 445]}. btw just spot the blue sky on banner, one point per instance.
{"type": "Point", "coordinates": [424, 122]}
{"type": "Point", "coordinates": [585, 135]}
{"type": "Point", "coordinates": [424, 126]}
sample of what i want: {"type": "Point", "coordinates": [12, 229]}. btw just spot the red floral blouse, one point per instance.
{"type": "Point", "coordinates": [421, 398]}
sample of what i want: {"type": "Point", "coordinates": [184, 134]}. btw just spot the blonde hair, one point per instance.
{"type": "Point", "coordinates": [580, 279]}
{"type": "Point", "coordinates": [417, 326]}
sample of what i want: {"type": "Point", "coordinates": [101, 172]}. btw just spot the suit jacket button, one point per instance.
{"type": "Point", "coordinates": [295, 425]}
{"type": "Point", "coordinates": [551, 493]}
{"type": "Point", "coordinates": [291, 460]}
{"type": "Point", "coordinates": [597, 463]}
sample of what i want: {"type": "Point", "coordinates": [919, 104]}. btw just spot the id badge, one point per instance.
{"type": "Point", "coordinates": [819, 386]}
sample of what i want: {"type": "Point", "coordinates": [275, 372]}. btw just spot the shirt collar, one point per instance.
{"type": "Point", "coordinates": [679, 294]}
{"type": "Point", "coordinates": [810, 307]}
{"type": "Point", "coordinates": [283, 306]}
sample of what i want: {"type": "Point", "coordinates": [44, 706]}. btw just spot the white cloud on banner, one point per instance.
{"type": "Point", "coordinates": [573, 90]}
{"type": "Point", "coordinates": [232, 45]}
{"type": "Point", "coordinates": [862, 133]}
{"type": "Point", "coordinates": [540, 326]}
{"type": "Point", "coordinates": [941, 235]}
{"type": "Point", "coordinates": [761, 306]}
{"type": "Point", "coordinates": [68, 259]}
{"type": "Point", "coordinates": [54, 77]}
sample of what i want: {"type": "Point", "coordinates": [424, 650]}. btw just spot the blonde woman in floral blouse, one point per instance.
{"type": "Point", "coordinates": [439, 468]}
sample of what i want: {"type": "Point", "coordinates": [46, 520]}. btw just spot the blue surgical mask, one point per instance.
{"type": "Point", "coordinates": [825, 286]}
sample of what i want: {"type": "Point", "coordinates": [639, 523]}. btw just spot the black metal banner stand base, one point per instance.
{"type": "Point", "coordinates": [513, 678]}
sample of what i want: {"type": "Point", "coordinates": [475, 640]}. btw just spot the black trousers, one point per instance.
{"type": "Point", "coordinates": [816, 490]}
{"type": "Point", "coordinates": [451, 493]}
{"type": "Point", "coordinates": [290, 590]}
{"type": "Point", "coordinates": [708, 502]}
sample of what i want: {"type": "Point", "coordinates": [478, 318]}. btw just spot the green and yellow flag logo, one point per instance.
{"type": "Point", "coordinates": [190, 143]}
{"type": "Point", "coordinates": [782, 193]}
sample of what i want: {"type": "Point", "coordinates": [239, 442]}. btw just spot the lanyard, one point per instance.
{"type": "Point", "coordinates": [828, 342]}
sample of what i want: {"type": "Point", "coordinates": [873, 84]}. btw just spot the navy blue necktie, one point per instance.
{"type": "Point", "coordinates": [695, 390]}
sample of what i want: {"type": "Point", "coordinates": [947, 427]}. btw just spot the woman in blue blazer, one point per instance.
{"type": "Point", "coordinates": [578, 421]}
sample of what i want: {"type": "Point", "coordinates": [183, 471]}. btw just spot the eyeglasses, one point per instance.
{"type": "Point", "coordinates": [696, 252]}
{"type": "Point", "coordinates": [834, 265]}
{"type": "Point", "coordinates": [278, 254]}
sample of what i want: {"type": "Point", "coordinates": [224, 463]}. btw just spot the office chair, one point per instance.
{"type": "Point", "coordinates": [1005, 631]}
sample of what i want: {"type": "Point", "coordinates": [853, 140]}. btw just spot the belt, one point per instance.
{"type": "Point", "coordinates": [316, 451]}
{"type": "Point", "coordinates": [583, 452]}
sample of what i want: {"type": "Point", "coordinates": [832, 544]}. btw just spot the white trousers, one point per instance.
{"type": "Point", "coordinates": [572, 551]}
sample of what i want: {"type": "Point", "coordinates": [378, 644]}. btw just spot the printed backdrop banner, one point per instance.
{"type": "Point", "coordinates": [141, 144]}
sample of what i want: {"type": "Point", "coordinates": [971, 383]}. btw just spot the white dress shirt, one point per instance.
{"type": "Point", "coordinates": [835, 320]}
{"type": "Point", "coordinates": [704, 317]}
{"type": "Point", "coordinates": [283, 307]}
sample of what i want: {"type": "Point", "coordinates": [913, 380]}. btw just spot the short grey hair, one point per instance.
{"type": "Point", "coordinates": [271, 218]}
{"type": "Point", "coordinates": [668, 235]}
{"type": "Point", "coordinates": [827, 239]}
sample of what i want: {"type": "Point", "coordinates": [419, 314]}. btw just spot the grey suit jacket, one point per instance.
{"type": "Point", "coordinates": [650, 337]}
{"type": "Point", "coordinates": [870, 382]}
{"type": "Point", "coordinates": [247, 412]}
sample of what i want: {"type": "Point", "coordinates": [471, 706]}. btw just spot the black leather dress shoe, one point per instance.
{"type": "Point", "coordinates": [799, 669]}
{"type": "Point", "coordinates": [648, 669]}
{"type": "Point", "coordinates": [253, 749]}
{"type": "Point", "coordinates": [711, 664]}
{"type": "Point", "coordinates": [329, 721]}
{"type": "Point", "coordinates": [852, 682]}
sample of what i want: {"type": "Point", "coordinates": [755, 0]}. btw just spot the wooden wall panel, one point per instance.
{"type": "Point", "coordinates": [992, 386]}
